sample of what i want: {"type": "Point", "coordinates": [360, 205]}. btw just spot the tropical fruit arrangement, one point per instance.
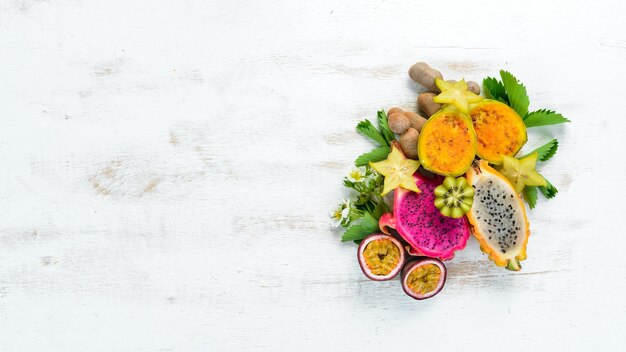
{"type": "Point", "coordinates": [454, 169]}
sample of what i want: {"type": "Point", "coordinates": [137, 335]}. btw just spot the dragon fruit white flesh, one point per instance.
{"type": "Point", "coordinates": [498, 217]}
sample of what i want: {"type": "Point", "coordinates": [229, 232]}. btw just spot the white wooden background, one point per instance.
{"type": "Point", "coordinates": [167, 168]}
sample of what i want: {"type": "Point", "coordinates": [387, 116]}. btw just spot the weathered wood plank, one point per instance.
{"type": "Point", "coordinates": [167, 169]}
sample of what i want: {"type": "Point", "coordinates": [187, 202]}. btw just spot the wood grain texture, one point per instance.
{"type": "Point", "coordinates": [167, 169]}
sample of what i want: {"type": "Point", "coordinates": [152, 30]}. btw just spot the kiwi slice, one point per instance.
{"type": "Point", "coordinates": [454, 197]}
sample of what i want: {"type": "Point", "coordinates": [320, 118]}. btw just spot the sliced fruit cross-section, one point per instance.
{"type": "Point", "coordinates": [447, 144]}
{"type": "Point", "coordinates": [454, 197]}
{"type": "Point", "coordinates": [456, 94]}
{"type": "Point", "coordinates": [381, 257]}
{"type": "Point", "coordinates": [500, 131]}
{"type": "Point", "coordinates": [398, 171]}
{"type": "Point", "coordinates": [521, 172]}
{"type": "Point", "coordinates": [421, 225]}
{"type": "Point", "coordinates": [498, 217]}
{"type": "Point", "coordinates": [423, 278]}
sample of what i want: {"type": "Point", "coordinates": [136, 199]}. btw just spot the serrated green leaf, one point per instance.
{"type": "Point", "coordinates": [376, 154]}
{"type": "Point", "coordinates": [354, 233]}
{"type": "Point", "coordinates": [530, 195]}
{"type": "Point", "coordinates": [516, 93]}
{"type": "Point", "coordinates": [366, 128]}
{"type": "Point", "coordinates": [494, 89]}
{"type": "Point", "coordinates": [383, 124]}
{"type": "Point", "coordinates": [548, 191]}
{"type": "Point", "coordinates": [370, 222]}
{"type": "Point", "coordinates": [544, 117]}
{"type": "Point", "coordinates": [547, 150]}
{"type": "Point", "coordinates": [367, 226]}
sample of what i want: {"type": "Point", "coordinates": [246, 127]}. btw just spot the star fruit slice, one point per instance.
{"type": "Point", "coordinates": [456, 94]}
{"type": "Point", "coordinates": [521, 172]}
{"type": "Point", "coordinates": [398, 171]}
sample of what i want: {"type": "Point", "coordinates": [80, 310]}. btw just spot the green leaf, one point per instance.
{"type": "Point", "coordinates": [379, 210]}
{"type": "Point", "coordinates": [359, 231]}
{"type": "Point", "coordinates": [547, 150]}
{"type": "Point", "coordinates": [516, 92]}
{"type": "Point", "coordinates": [354, 233]}
{"type": "Point", "coordinates": [530, 195]}
{"type": "Point", "coordinates": [368, 130]}
{"type": "Point", "coordinates": [494, 89]}
{"type": "Point", "coordinates": [376, 154]}
{"type": "Point", "coordinates": [544, 117]}
{"type": "Point", "coordinates": [370, 222]}
{"type": "Point", "coordinates": [383, 124]}
{"type": "Point", "coordinates": [548, 191]}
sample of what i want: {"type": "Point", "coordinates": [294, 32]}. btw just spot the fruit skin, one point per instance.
{"type": "Point", "coordinates": [408, 141]}
{"type": "Point", "coordinates": [421, 225]}
{"type": "Point", "coordinates": [418, 262]}
{"type": "Point", "coordinates": [509, 216]}
{"type": "Point", "coordinates": [493, 121]}
{"type": "Point", "coordinates": [417, 120]}
{"type": "Point", "coordinates": [473, 87]}
{"type": "Point", "coordinates": [363, 264]}
{"type": "Point", "coordinates": [447, 143]}
{"type": "Point", "coordinates": [398, 123]}
{"type": "Point", "coordinates": [425, 75]}
{"type": "Point", "coordinates": [427, 105]}
{"type": "Point", "coordinates": [394, 110]}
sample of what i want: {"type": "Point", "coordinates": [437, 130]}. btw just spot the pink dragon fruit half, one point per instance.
{"type": "Point", "coordinates": [420, 223]}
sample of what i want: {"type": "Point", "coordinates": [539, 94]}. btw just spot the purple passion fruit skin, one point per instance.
{"type": "Point", "coordinates": [381, 257]}
{"type": "Point", "coordinates": [423, 277]}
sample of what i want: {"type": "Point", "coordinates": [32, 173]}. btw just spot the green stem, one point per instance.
{"type": "Point", "coordinates": [382, 200]}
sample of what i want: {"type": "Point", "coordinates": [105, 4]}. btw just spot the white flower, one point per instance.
{"type": "Point", "coordinates": [357, 175]}
{"type": "Point", "coordinates": [345, 213]}
{"type": "Point", "coordinates": [341, 215]}
{"type": "Point", "coordinates": [335, 216]}
{"type": "Point", "coordinates": [371, 177]}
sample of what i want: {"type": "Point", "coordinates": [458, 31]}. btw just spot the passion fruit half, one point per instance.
{"type": "Point", "coordinates": [423, 278]}
{"type": "Point", "coordinates": [381, 257]}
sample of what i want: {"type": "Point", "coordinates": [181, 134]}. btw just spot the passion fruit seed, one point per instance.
{"type": "Point", "coordinates": [381, 256]}
{"type": "Point", "coordinates": [454, 197]}
{"type": "Point", "coordinates": [424, 279]}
